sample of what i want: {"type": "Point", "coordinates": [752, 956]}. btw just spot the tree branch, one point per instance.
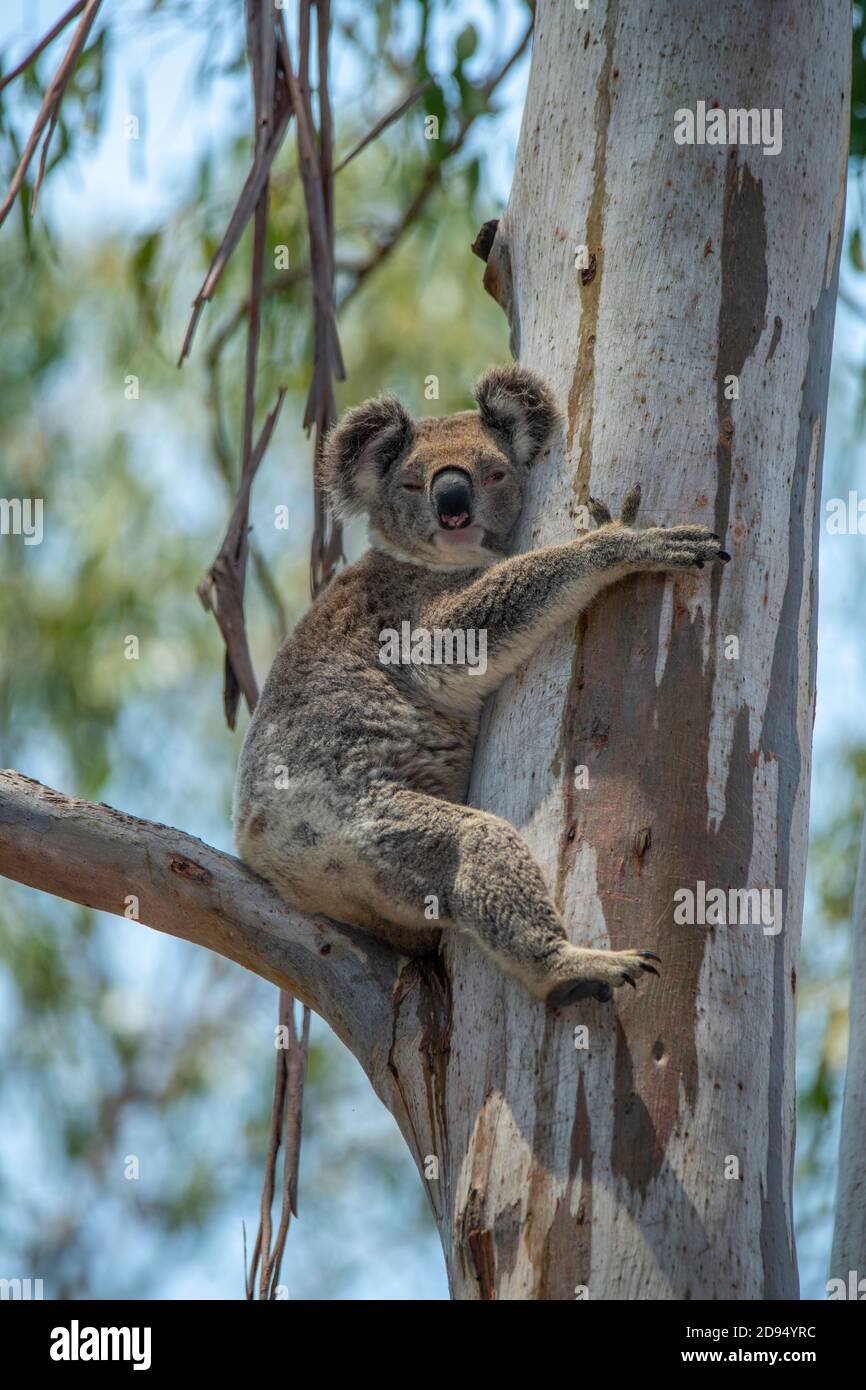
{"type": "Point", "coordinates": [434, 172]}
{"type": "Point", "coordinates": [99, 857]}
{"type": "Point", "coordinates": [385, 121]}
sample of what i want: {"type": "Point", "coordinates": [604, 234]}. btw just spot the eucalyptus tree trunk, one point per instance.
{"type": "Point", "coordinates": [849, 1237]}
{"type": "Point", "coordinates": [680, 298]}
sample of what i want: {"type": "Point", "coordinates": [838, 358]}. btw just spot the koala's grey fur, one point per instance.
{"type": "Point", "coordinates": [370, 826]}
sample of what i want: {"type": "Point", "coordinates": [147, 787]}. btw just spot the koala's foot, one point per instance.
{"type": "Point", "coordinates": [582, 974]}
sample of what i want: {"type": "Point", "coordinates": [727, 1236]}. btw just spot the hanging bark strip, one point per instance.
{"type": "Point", "coordinates": [71, 13]}
{"type": "Point", "coordinates": [223, 587]}
{"type": "Point", "coordinates": [316, 167]}
{"type": "Point", "coordinates": [287, 1108]}
{"type": "Point", "coordinates": [285, 1129]}
{"type": "Point", "coordinates": [50, 107]}
{"type": "Point", "coordinates": [271, 126]}
{"type": "Point", "coordinates": [237, 659]}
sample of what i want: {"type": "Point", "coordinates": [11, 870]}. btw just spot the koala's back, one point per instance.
{"type": "Point", "coordinates": [335, 732]}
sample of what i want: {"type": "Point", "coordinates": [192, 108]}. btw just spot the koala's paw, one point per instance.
{"type": "Point", "coordinates": [680, 547]}
{"type": "Point", "coordinates": [596, 974]}
{"type": "Point", "coordinates": [658, 547]}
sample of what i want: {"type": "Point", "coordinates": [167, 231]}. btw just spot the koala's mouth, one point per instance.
{"type": "Point", "coordinates": [461, 539]}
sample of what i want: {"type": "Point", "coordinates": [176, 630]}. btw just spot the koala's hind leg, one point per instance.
{"type": "Point", "coordinates": [484, 880]}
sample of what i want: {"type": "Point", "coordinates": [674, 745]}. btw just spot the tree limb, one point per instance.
{"type": "Point", "coordinates": [99, 857]}
{"type": "Point", "coordinates": [434, 172]}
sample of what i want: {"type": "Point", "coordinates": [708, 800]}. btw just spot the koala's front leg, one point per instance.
{"type": "Point", "coordinates": [520, 601]}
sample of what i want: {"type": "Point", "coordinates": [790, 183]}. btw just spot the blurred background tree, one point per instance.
{"type": "Point", "coordinates": [120, 1044]}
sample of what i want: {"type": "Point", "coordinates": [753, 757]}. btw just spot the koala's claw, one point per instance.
{"type": "Point", "coordinates": [679, 547]}
{"type": "Point", "coordinates": [630, 505]}
{"type": "Point", "coordinates": [600, 512]}
{"type": "Point", "coordinates": [659, 547]}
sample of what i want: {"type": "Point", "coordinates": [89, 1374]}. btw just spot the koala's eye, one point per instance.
{"type": "Point", "coordinates": [413, 487]}
{"type": "Point", "coordinates": [495, 477]}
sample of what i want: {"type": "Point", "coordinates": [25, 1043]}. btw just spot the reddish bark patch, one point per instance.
{"type": "Point", "coordinates": [481, 1247]}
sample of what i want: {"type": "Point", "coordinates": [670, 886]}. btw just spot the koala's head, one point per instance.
{"type": "Point", "coordinates": [442, 492]}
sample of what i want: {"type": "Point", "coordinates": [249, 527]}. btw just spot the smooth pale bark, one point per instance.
{"type": "Point", "coordinates": [607, 1167]}
{"type": "Point", "coordinates": [849, 1237]}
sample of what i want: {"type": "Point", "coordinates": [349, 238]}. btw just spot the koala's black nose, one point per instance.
{"type": "Point", "coordinates": [452, 498]}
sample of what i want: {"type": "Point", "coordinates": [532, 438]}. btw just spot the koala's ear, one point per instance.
{"type": "Point", "coordinates": [519, 407]}
{"type": "Point", "coordinates": [358, 452]}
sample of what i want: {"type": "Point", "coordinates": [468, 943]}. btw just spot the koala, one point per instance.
{"type": "Point", "coordinates": [354, 770]}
